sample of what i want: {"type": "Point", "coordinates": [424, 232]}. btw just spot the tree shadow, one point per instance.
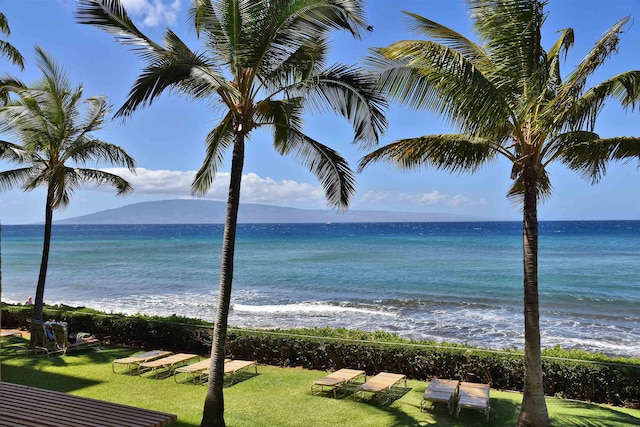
{"type": "Point", "coordinates": [57, 382]}
{"type": "Point", "coordinates": [238, 377]}
{"type": "Point", "coordinates": [582, 416]}
{"type": "Point", "coordinates": [387, 397]}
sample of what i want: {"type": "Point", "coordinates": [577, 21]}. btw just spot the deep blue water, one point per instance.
{"type": "Point", "coordinates": [447, 281]}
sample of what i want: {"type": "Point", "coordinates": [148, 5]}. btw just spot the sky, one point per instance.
{"type": "Point", "coordinates": [167, 138]}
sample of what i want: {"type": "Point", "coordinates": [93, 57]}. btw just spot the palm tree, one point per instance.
{"type": "Point", "coordinates": [48, 120]}
{"type": "Point", "coordinates": [508, 98]}
{"type": "Point", "coordinates": [263, 62]}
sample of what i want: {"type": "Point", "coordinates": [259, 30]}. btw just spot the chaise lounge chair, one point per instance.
{"type": "Point", "coordinates": [166, 364]}
{"type": "Point", "coordinates": [10, 333]}
{"type": "Point", "coordinates": [130, 363]}
{"type": "Point", "coordinates": [338, 379]}
{"type": "Point", "coordinates": [473, 396]}
{"type": "Point", "coordinates": [62, 340]}
{"type": "Point", "coordinates": [231, 368]}
{"type": "Point", "coordinates": [382, 382]}
{"type": "Point", "coordinates": [195, 370]}
{"type": "Point", "coordinates": [39, 343]}
{"type": "Point", "coordinates": [440, 391]}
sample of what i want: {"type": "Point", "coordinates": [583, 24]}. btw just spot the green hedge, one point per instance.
{"type": "Point", "coordinates": [599, 379]}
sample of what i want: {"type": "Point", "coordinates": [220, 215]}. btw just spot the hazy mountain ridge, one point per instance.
{"type": "Point", "coordinates": [213, 212]}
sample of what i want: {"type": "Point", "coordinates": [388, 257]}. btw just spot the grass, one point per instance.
{"type": "Point", "coordinates": [277, 397]}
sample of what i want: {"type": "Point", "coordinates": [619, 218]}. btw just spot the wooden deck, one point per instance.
{"type": "Point", "coordinates": [22, 406]}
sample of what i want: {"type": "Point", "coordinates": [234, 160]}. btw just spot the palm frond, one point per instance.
{"type": "Point", "coordinates": [352, 93]}
{"type": "Point", "coordinates": [10, 179]}
{"type": "Point", "coordinates": [323, 15]}
{"type": "Point", "coordinates": [181, 70]}
{"type": "Point", "coordinates": [217, 143]}
{"type": "Point", "coordinates": [554, 57]}
{"type": "Point", "coordinates": [295, 64]}
{"type": "Point", "coordinates": [9, 51]}
{"type": "Point", "coordinates": [4, 25]}
{"type": "Point", "coordinates": [6, 48]}
{"type": "Point", "coordinates": [590, 158]}
{"type": "Point", "coordinates": [208, 19]}
{"type": "Point", "coordinates": [12, 152]}
{"type": "Point", "coordinates": [427, 75]}
{"type": "Point", "coordinates": [96, 113]}
{"type": "Point", "coordinates": [583, 112]}
{"type": "Point", "coordinates": [511, 32]}
{"type": "Point", "coordinates": [556, 146]}
{"type": "Point", "coordinates": [111, 16]}
{"type": "Point", "coordinates": [283, 116]}
{"type": "Point", "coordinates": [543, 190]}
{"type": "Point", "coordinates": [603, 49]}
{"type": "Point", "coordinates": [99, 177]}
{"type": "Point", "coordinates": [331, 169]}
{"type": "Point", "coordinates": [55, 78]}
{"type": "Point", "coordinates": [450, 38]}
{"type": "Point", "coordinates": [88, 149]}
{"type": "Point", "coordinates": [452, 153]}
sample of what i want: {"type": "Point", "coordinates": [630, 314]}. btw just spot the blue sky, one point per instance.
{"type": "Point", "coordinates": [166, 139]}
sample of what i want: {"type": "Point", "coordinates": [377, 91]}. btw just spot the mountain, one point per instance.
{"type": "Point", "coordinates": [212, 212]}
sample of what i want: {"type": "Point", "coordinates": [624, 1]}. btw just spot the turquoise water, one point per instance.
{"type": "Point", "coordinates": [446, 281]}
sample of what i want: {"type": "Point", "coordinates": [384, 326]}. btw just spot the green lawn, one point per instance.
{"type": "Point", "coordinates": [276, 397]}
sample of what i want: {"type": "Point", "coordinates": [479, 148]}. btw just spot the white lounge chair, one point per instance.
{"type": "Point", "coordinates": [166, 364]}
{"type": "Point", "coordinates": [382, 382]}
{"type": "Point", "coordinates": [473, 396]}
{"type": "Point", "coordinates": [232, 367]}
{"type": "Point", "coordinates": [338, 379]}
{"type": "Point", "coordinates": [130, 363]}
{"type": "Point", "coordinates": [440, 391]}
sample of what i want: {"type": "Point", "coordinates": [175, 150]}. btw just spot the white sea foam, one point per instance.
{"type": "Point", "coordinates": [308, 308]}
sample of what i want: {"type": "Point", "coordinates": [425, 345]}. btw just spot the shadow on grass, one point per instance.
{"type": "Point", "coordinates": [228, 380]}
{"type": "Point", "coordinates": [503, 412]}
{"type": "Point", "coordinates": [387, 397]}
{"type": "Point", "coordinates": [239, 377]}
{"type": "Point", "coordinates": [57, 382]}
{"type": "Point", "coordinates": [104, 355]}
{"type": "Point", "coordinates": [580, 415]}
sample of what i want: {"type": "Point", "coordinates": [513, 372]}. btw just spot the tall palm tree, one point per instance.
{"type": "Point", "coordinates": [508, 98]}
{"type": "Point", "coordinates": [56, 141]}
{"type": "Point", "coordinates": [263, 63]}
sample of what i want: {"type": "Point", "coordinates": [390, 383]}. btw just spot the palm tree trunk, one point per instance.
{"type": "Point", "coordinates": [42, 278]}
{"type": "Point", "coordinates": [213, 414]}
{"type": "Point", "coordinates": [533, 412]}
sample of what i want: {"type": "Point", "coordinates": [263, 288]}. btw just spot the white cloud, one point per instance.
{"type": "Point", "coordinates": [266, 190]}
{"type": "Point", "coordinates": [255, 189]}
{"type": "Point", "coordinates": [153, 12]}
{"type": "Point", "coordinates": [431, 199]}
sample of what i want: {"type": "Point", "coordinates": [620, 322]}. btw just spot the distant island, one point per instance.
{"type": "Point", "coordinates": [214, 212]}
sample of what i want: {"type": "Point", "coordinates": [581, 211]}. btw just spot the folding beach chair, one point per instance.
{"type": "Point", "coordinates": [166, 364]}
{"type": "Point", "coordinates": [195, 370]}
{"type": "Point", "coordinates": [232, 367]}
{"type": "Point", "coordinates": [39, 344]}
{"type": "Point", "coordinates": [10, 333]}
{"type": "Point", "coordinates": [62, 340]}
{"type": "Point", "coordinates": [338, 379]}
{"type": "Point", "coordinates": [440, 391]}
{"type": "Point", "coordinates": [379, 384]}
{"type": "Point", "coordinates": [473, 396]}
{"type": "Point", "coordinates": [131, 363]}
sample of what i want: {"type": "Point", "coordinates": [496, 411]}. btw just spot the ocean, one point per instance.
{"type": "Point", "coordinates": [453, 282]}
